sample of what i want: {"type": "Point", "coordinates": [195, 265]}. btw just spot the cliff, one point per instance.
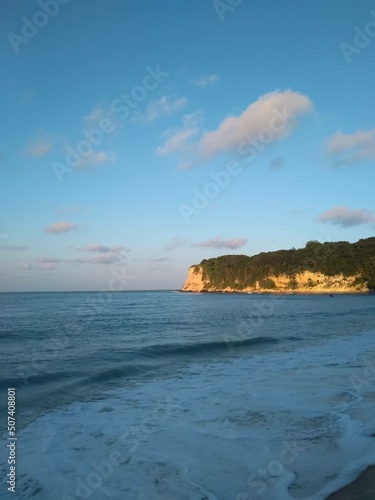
{"type": "Point", "coordinates": [305, 282]}
{"type": "Point", "coordinates": [339, 267]}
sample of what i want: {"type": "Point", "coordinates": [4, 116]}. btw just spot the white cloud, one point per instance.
{"type": "Point", "coordinates": [206, 81]}
{"type": "Point", "coordinates": [177, 141]}
{"type": "Point", "coordinates": [162, 106]}
{"type": "Point", "coordinates": [219, 242]}
{"type": "Point", "coordinates": [346, 217]}
{"type": "Point", "coordinates": [277, 111]}
{"type": "Point", "coordinates": [351, 148]}
{"type": "Point", "coordinates": [270, 118]}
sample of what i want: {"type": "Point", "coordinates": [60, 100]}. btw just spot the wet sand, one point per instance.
{"type": "Point", "coordinates": [362, 488]}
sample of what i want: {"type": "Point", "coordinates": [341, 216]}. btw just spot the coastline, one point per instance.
{"type": "Point", "coordinates": [281, 292]}
{"type": "Point", "coordinates": [305, 282]}
{"type": "Point", "coordinates": [363, 487]}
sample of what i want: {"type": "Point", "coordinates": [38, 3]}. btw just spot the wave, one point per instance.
{"type": "Point", "coordinates": [207, 347]}
{"type": "Point", "coordinates": [130, 364]}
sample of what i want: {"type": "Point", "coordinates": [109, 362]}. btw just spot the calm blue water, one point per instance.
{"type": "Point", "coordinates": [196, 393]}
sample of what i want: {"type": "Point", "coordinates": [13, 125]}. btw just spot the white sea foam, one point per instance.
{"type": "Point", "coordinates": [280, 425]}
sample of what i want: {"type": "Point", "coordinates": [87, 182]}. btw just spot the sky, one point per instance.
{"type": "Point", "coordinates": [140, 137]}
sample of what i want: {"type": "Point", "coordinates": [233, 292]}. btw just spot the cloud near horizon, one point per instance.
{"type": "Point", "coordinates": [60, 227]}
{"type": "Point", "coordinates": [101, 248]}
{"type": "Point", "coordinates": [219, 242]}
{"type": "Point", "coordinates": [347, 149]}
{"type": "Point", "coordinates": [42, 263]}
{"type": "Point", "coordinates": [13, 248]}
{"type": "Point", "coordinates": [108, 258]}
{"type": "Point", "coordinates": [346, 217]}
{"type": "Point", "coordinates": [45, 260]}
{"type": "Point", "coordinates": [159, 259]}
{"type": "Point", "coordinates": [176, 242]}
{"type": "Point", "coordinates": [269, 118]}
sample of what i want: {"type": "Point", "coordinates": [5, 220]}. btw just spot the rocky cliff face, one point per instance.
{"type": "Point", "coordinates": [305, 282]}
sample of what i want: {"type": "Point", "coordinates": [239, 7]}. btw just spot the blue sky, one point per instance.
{"type": "Point", "coordinates": [141, 137]}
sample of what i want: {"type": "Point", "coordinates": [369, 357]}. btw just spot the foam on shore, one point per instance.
{"type": "Point", "coordinates": [291, 424]}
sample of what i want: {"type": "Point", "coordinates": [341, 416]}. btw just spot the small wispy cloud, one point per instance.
{"type": "Point", "coordinates": [206, 81]}
{"type": "Point", "coordinates": [346, 217]}
{"type": "Point", "coordinates": [159, 107]}
{"type": "Point", "coordinates": [45, 267]}
{"type": "Point", "coordinates": [95, 159]}
{"type": "Point", "coordinates": [101, 248]}
{"type": "Point", "coordinates": [60, 227]}
{"type": "Point", "coordinates": [219, 242]}
{"type": "Point", "coordinates": [177, 242]}
{"type": "Point", "coordinates": [46, 260]}
{"type": "Point", "coordinates": [109, 258]}
{"type": "Point", "coordinates": [348, 149]}
{"type": "Point", "coordinates": [74, 209]}
{"type": "Point", "coordinates": [41, 264]}
{"type": "Point", "coordinates": [13, 248]}
{"type": "Point", "coordinates": [177, 140]}
{"type": "Point", "coordinates": [101, 117]}
{"type": "Point", "coordinates": [39, 147]}
{"type": "Point", "coordinates": [159, 259]}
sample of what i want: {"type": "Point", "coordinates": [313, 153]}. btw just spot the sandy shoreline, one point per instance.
{"type": "Point", "coordinates": [362, 488]}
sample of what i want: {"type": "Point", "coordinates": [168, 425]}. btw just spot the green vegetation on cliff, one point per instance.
{"type": "Point", "coordinates": [241, 271]}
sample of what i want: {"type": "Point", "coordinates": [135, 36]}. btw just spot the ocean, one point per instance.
{"type": "Point", "coordinates": [172, 396]}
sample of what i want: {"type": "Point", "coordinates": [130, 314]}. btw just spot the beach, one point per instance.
{"type": "Point", "coordinates": [362, 488]}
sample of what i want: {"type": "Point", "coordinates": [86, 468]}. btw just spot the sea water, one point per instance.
{"type": "Point", "coordinates": [163, 395]}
